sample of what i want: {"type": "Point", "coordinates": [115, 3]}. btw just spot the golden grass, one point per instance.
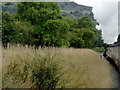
{"type": "Point", "coordinates": [0, 67]}
{"type": "Point", "coordinates": [83, 68]}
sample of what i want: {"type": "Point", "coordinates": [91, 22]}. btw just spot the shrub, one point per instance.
{"type": "Point", "coordinates": [41, 72]}
{"type": "Point", "coordinates": [99, 49]}
{"type": "Point", "coordinates": [44, 73]}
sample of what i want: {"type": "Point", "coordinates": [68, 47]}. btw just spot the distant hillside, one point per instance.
{"type": "Point", "coordinates": [9, 7]}
{"type": "Point", "coordinates": [69, 9]}
{"type": "Point", "coordinates": [73, 10]}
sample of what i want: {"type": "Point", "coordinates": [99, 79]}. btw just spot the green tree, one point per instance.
{"type": "Point", "coordinates": [55, 31]}
{"type": "Point", "coordinates": [98, 42]}
{"type": "Point", "coordinates": [77, 42]}
{"type": "Point", "coordinates": [26, 33]}
{"type": "Point", "coordinates": [88, 37]}
{"type": "Point", "coordinates": [0, 27]}
{"type": "Point", "coordinates": [37, 12]}
{"type": "Point", "coordinates": [118, 39]}
{"type": "Point", "coordinates": [84, 22]}
{"type": "Point", "coordinates": [9, 30]}
{"type": "Point", "coordinates": [49, 27]}
{"type": "Point", "coordinates": [76, 38]}
{"type": "Point", "coordinates": [72, 22]}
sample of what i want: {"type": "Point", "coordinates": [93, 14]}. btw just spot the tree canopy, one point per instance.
{"type": "Point", "coordinates": [37, 12]}
{"type": "Point", "coordinates": [118, 39]}
{"type": "Point", "coordinates": [40, 23]}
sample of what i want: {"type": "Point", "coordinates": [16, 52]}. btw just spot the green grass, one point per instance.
{"type": "Point", "coordinates": [98, 49]}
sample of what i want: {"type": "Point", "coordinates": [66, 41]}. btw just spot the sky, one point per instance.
{"type": "Point", "coordinates": [106, 13]}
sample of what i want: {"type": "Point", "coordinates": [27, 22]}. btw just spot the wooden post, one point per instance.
{"type": "Point", "coordinates": [45, 47]}
{"type": "Point", "coordinates": [30, 46]}
{"type": "Point", "coordinates": [39, 47]}
{"type": "Point", "coordinates": [33, 46]}
{"type": "Point", "coordinates": [53, 46]}
{"type": "Point", "coordinates": [18, 45]}
{"type": "Point", "coordinates": [8, 46]}
{"type": "Point", "coordinates": [26, 46]}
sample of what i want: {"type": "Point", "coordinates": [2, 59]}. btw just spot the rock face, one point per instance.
{"type": "Point", "coordinates": [73, 10]}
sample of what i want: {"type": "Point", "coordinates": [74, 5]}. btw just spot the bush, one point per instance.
{"type": "Point", "coordinates": [99, 49]}
{"type": "Point", "coordinates": [44, 74]}
{"type": "Point", "coordinates": [41, 72]}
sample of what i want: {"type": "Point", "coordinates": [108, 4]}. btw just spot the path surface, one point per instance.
{"type": "Point", "coordinates": [115, 75]}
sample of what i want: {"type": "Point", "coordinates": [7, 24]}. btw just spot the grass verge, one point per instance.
{"type": "Point", "coordinates": [54, 68]}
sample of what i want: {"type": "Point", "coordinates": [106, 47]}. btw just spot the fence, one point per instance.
{"type": "Point", "coordinates": [27, 46]}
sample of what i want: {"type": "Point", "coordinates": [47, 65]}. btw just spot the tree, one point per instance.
{"type": "Point", "coordinates": [76, 38]}
{"type": "Point", "coordinates": [49, 27]}
{"type": "Point", "coordinates": [40, 23]}
{"type": "Point", "coordinates": [9, 30]}
{"type": "Point", "coordinates": [0, 27]}
{"type": "Point", "coordinates": [98, 42]}
{"type": "Point", "coordinates": [84, 22]}
{"type": "Point", "coordinates": [118, 39]}
{"type": "Point", "coordinates": [72, 22]}
{"type": "Point", "coordinates": [26, 33]}
{"type": "Point", "coordinates": [88, 37]}
{"type": "Point", "coordinates": [37, 12]}
{"type": "Point", "coordinates": [55, 31]}
{"type": "Point", "coordinates": [77, 42]}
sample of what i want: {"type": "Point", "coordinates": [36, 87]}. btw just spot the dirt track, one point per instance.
{"type": "Point", "coordinates": [116, 77]}
{"type": "Point", "coordinates": [115, 74]}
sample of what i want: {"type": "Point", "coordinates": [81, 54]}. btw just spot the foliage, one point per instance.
{"type": "Point", "coordinates": [88, 37]}
{"type": "Point", "coordinates": [118, 39]}
{"type": "Point", "coordinates": [55, 31]}
{"type": "Point", "coordinates": [47, 29]}
{"type": "Point", "coordinates": [0, 27]}
{"type": "Point", "coordinates": [40, 23]}
{"type": "Point", "coordinates": [69, 9]}
{"type": "Point", "coordinates": [81, 34]}
{"type": "Point", "coordinates": [42, 12]}
{"type": "Point", "coordinates": [9, 30]}
{"type": "Point", "coordinates": [98, 49]}
{"type": "Point", "coordinates": [72, 22]}
{"type": "Point", "coordinates": [26, 33]}
{"type": "Point", "coordinates": [45, 74]}
{"type": "Point", "coordinates": [76, 38]}
{"type": "Point", "coordinates": [98, 38]}
{"type": "Point", "coordinates": [77, 42]}
{"type": "Point", "coordinates": [84, 22]}
{"type": "Point", "coordinates": [105, 45]}
{"type": "Point", "coordinates": [72, 10]}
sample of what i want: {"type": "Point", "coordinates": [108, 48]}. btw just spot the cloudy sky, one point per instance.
{"type": "Point", "coordinates": [106, 13]}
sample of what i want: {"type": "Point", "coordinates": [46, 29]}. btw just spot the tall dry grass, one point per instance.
{"type": "Point", "coordinates": [77, 68]}
{"type": "Point", "coordinates": [0, 67]}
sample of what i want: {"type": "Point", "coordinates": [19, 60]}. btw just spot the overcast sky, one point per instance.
{"type": "Point", "coordinates": [106, 13]}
